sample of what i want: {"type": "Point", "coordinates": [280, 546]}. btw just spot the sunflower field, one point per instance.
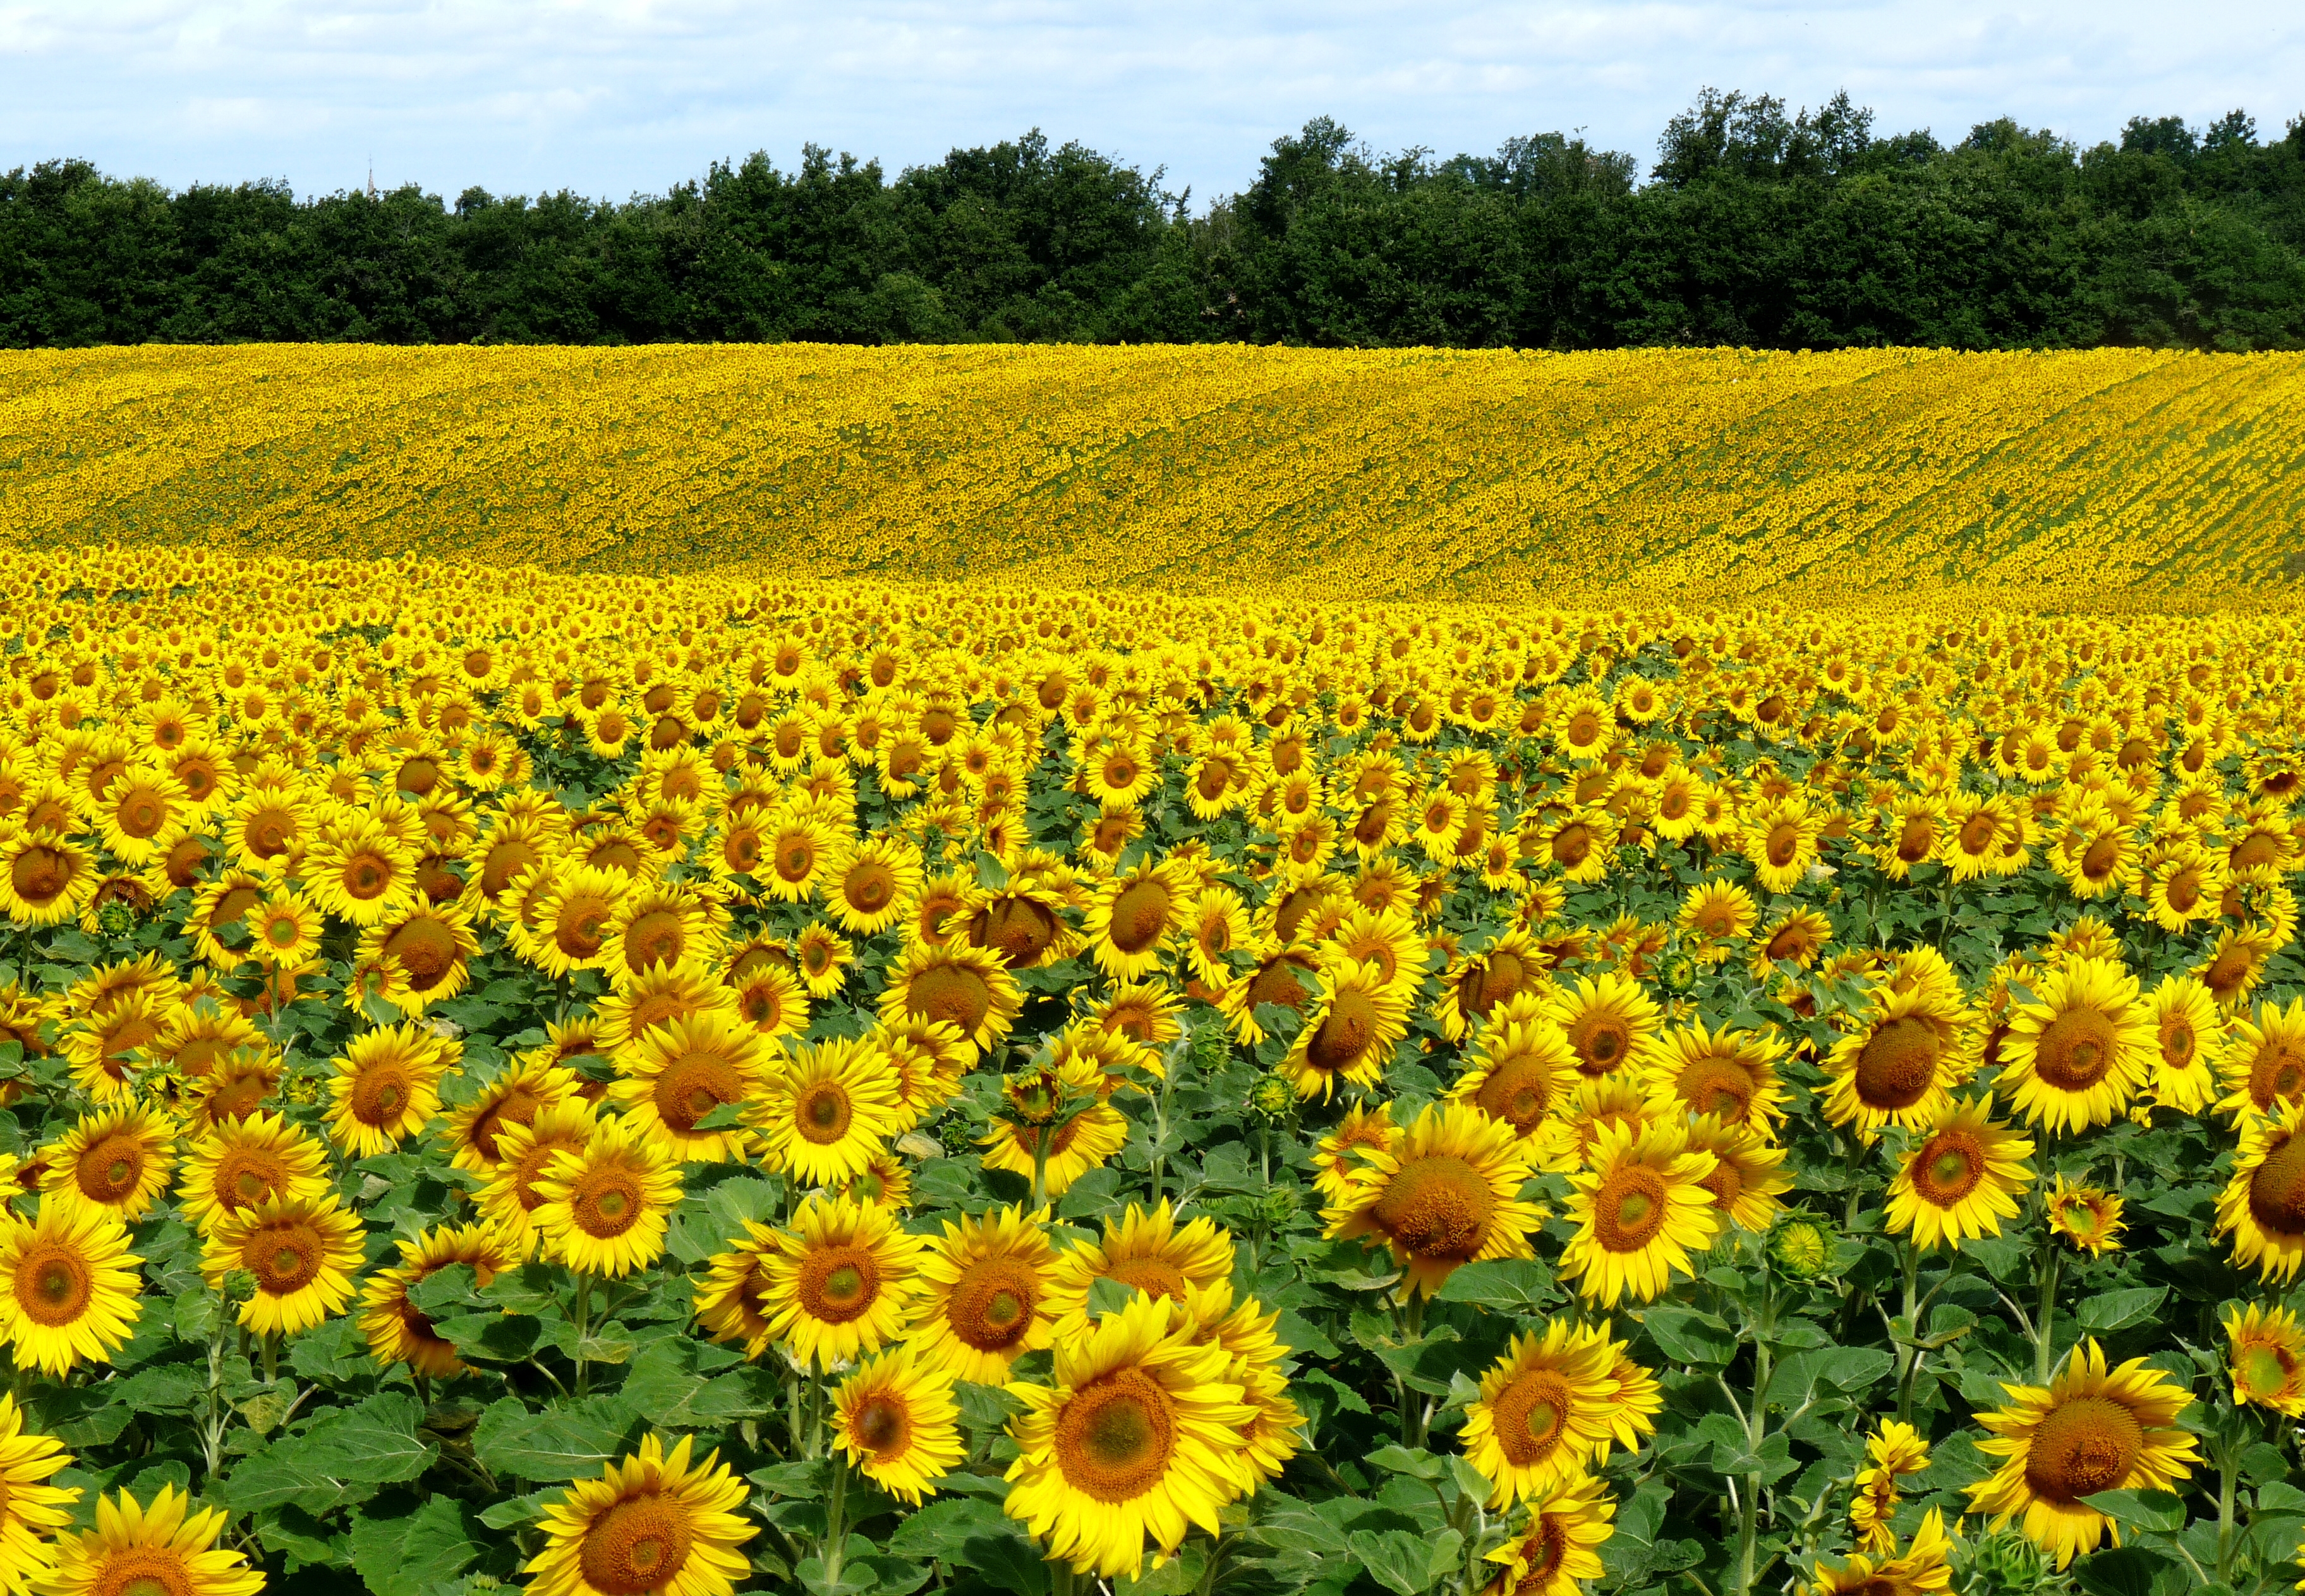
{"type": "Point", "coordinates": [601, 1085]}
{"type": "Point", "coordinates": [2104, 479]}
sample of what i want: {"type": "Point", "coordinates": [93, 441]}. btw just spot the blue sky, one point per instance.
{"type": "Point", "coordinates": [613, 97]}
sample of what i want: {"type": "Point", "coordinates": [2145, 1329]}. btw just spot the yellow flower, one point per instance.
{"type": "Point", "coordinates": [1148, 1253]}
{"type": "Point", "coordinates": [304, 1253]}
{"type": "Point", "coordinates": [31, 1511]}
{"type": "Point", "coordinates": [395, 1329]}
{"type": "Point", "coordinates": [387, 1087]}
{"type": "Point", "coordinates": [653, 1524]}
{"type": "Point", "coordinates": [828, 1109]}
{"type": "Point", "coordinates": [1135, 1440]}
{"type": "Point", "coordinates": [840, 1283]}
{"type": "Point", "coordinates": [2264, 1063]}
{"type": "Point", "coordinates": [68, 1286]}
{"type": "Point", "coordinates": [2090, 1430]}
{"type": "Point", "coordinates": [896, 1418]}
{"type": "Point", "coordinates": [677, 1074]}
{"type": "Point", "coordinates": [2072, 1058]}
{"type": "Point", "coordinates": [1542, 1417]}
{"type": "Point", "coordinates": [1731, 1074]}
{"type": "Point", "coordinates": [1610, 1023]}
{"type": "Point", "coordinates": [1641, 1208]}
{"type": "Point", "coordinates": [1960, 1180]}
{"type": "Point", "coordinates": [1901, 1067]}
{"type": "Point", "coordinates": [1350, 1034]}
{"type": "Point", "coordinates": [164, 1548]}
{"type": "Point", "coordinates": [2088, 1217]}
{"type": "Point", "coordinates": [240, 1163]}
{"type": "Point", "coordinates": [117, 1159]}
{"type": "Point", "coordinates": [2262, 1204]}
{"type": "Point", "coordinates": [1922, 1571]}
{"type": "Point", "coordinates": [2265, 1358]}
{"type": "Point", "coordinates": [984, 1289]}
{"type": "Point", "coordinates": [1560, 1549]}
{"type": "Point", "coordinates": [599, 1210]}
{"type": "Point", "coordinates": [1448, 1194]}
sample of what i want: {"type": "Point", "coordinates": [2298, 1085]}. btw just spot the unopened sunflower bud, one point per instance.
{"type": "Point", "coordinates": [1677, 972]}
{"type": "Point", "coordinates": [1272, 1098]}
{"type": "Point", "coordinates": [239, 1284]}
{"type": "Point", "coordinates": [1803, 1246]}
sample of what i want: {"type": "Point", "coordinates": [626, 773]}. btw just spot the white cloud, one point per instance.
{"type": "Point", "coordinates": [610, 97]}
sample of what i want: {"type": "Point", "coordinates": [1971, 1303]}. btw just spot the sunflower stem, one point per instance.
{"type": "Point", "coordinates": [578, 1314]}
{"type": "Point", "coordinates": [836, 1532]}
{"type": "Point", "coordinates": [1040, 1138]}
{"type": "Point", "coordinates": [2044, 1331]}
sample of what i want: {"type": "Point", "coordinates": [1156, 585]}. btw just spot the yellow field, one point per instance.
{"type": "Point", "coordinates": [2107, 477]}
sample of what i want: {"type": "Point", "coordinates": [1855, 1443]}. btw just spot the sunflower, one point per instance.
{"type": "Point", "coordinates": [2262, 1204]}
{"type": "Point", "coordinates": [302, 1251]}
{"type": "Point", "coordinates": [428, 946]}
{"type": "Point", "coordinates": [660, 926]}
{"type": "Point", "coordinates": [1960, 1180]}
{"type": "Point", "coordinates": [385, 1087]}
{"type": "Point", "coordinates": [68, 1286]}
{"type": "Point", "coordinates": [1349, 1034]}
{"type": "Point", "coordinates": [1081, 1143]}
{"type": "Point", "coordinates": [651, 1525]}
{"type": "Point", "coordinates": [2265, 1358]}
{"type": "Point", "coordinates": [826, 1109]}
{"type": "Point", "coordinates": [116, 1160]}
{"type": "Point", "coordinates": [2088, 1430]}
{"type": "Point", "coordinates": [103, 1047]}
{"type": "Point", "coordinates": [1137, 916]}
{"type": "Point", "coordinates": [1730, 1073]}
{"type": "Point", "coordinates": [2087, 1216]}
{"type": "Point", "coordinates": [2190, 1040]}
{"type": "Point", "coordinates": [2264, 1063]}
{"type": "Point", "coordinates": [2183, 883]}
{"type": "Point", "coordinates": [1568, 1523]}
{"type": "Point", "coordinates": [1610, 1023]}
{"type": "Point", "coordinates": [1475, 985]}
{"type": "Point", "coordinates": [841, 1282]}
{"type": "Point", "coordinates": [31, 1510]}
{"type": "Point", "coordinates": [573, 917]}
{"type": "Point", "coordinates": [161, 1550]}
{"type": "Point", "coordinates": [284, 931]}
{"type": "Point", "coordinates": [1144, 1252]}
{"type": "Point", "coordinates": [600, 1209]}
{"type": "Point", "coordinates": [1448, 1194]}
{"type": "Point", "coordinates": [395, 1329]}
{"type": "Point", "coordinates": [240, 1163]}
{"type": "Point", "coordinates": [896, 1419]}
{"type": "Point", "coordinates": [1641, 1207]}
{"type": "Point", "coordinates": [1138, 1437]}
{"type": "Point", "coordinates": [1749, 1174]}
{"type": "Point", "coordinates": [966, 987]}
{"type": "Point", "coordinates": [359, 873]}
{"type": "Point", "coordinates": [678, 1073]}
{"type": "Point", "coordinates": [2073, 1057]}
{"type": "Point", "coordinates": [1921, 1571]}
{"type": "Point", "coordinates": [983, 1298]}
{"type": "Point", "coordinates": [45, 876]}
{"type": "Point", "coordinates": [1522, 1071]}
{"type": "Point", "coordinates": [1565, 1142]}
{"type": "Point", "coordinates": [655, 998]}
{"type": "Point", "coordinates": [1891, 1452]}
{"type": "Point", "coordinates": [1900, 1067]}
{"type": "Point", "coordinates": [2235, 964]}
{"type": "Point", "coordinates": [1337, 1155]}
{"type": "Point", "coordinates": [1780, 837]}
{"type": "Point", "coordinates": [1715, 913]}
{"type": "Point", "coordinates": [732, 1301]}
{"type": "Point", "coordinates": [1542, 1416]}
{"type": "Point", "coordinates": [1796, 937]}
{"type": "Point", "coordinates": [475, 1129]}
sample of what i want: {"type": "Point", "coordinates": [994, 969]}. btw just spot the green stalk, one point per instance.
{"type": "Point", "coordinates": [836, 1532]}
{"type": "Point", "coordinates": [2044, 1341]}
{"type": "Point", "coordinates": [578, 1316]}
{"type": "Point", "coordinates": [1040, 1139]}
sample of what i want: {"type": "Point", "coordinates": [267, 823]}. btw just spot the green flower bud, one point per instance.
{"type": "Point", "coordinates": [1274, 1098]}
{"type": "Point", "coordinates": [1803, 1246]}
{"type": "Point", "coordinates": [1678, 971]}
{"type": "Point", "coordinates": [239, 1284]}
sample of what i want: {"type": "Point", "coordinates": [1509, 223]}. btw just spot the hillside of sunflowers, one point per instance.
{"type": "Point", "coordinates": [2100, 480]}
{"type": "Point", "coordinates": [971, 972]}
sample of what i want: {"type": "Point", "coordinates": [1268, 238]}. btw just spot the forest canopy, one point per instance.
{"type": "Point", "coordinates": [1754, 226]}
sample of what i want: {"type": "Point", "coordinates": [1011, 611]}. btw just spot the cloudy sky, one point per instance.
{"type": "Point", "coordinates": [614, 96]}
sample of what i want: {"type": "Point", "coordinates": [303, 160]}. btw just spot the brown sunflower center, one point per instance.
{"type": "Point", "coordinates": [1115, 1437]}
{"type": "Point", "coordinates": [2077, 1050]}
{"type": "Point", "coordinates": [839, 1283]}
{"type": "Point", "coordinates": [1140, 914]}
{"type": "Point", "coordinates": [2277, 1073]}
{"type": "Point", "coordinates": [2276, 1189]}
{"type": "Point", "coordinates": [382, 1091]}
{"type": "Point", "coordinates": [581, 928]}
{"type": "Point", "coordinates": [879, 1423]}
{"type": "Point", "coordinates": [1530, 1416]}
{"type": "Point", "coordinates": [425, 949]}
{"type": "Point", "coordinates": [868, 886]}
{"type": "Point", "coordinates": [1948, 1168]}
{"type": "Point", "coordinates": [285, 1257]}
{"type": "Point", "coordinates": [246, 1175]}
{"type": "Point", "coordinates": [953, 993]}
{"type": "Point", "coordinates": [1437, 1205]}
{"type": "Point", "coordinates": [1155, 1276]}
{"type": "Point", "coordinates": [691, 1086]}
{"type": "Point", "coordinates": [107, 1171]}
{"type": "Point", "coordinates": [2101, 857]}
{"type": "Point", "coordinates": [144, 1571]}
{"type": "Point", "coordinates": [1600, 1040]}
{"type": "Point", "coordinates": [655, 938]}
{"type": "Point", "coordinates": [1344, 1037]}
{"type": "Point", "coordinates": [606, 1201]}
{"type": "Point", "coordinates": [517, 1106]}
{"type": "Point", "coordinates": [992, 1305]}
{"type": "Point", "coordinates": [2085, 1445]}
{"type": "Point", "coordinates": [1898, 1064]}
{"type": "Point", "coordinates": [1017, 929]}
{"type": "Point", "coordinates": [1630, 1208]}
{"type": "Point", "coordinates": [823, 1113]}
{"type": "Point", "coordinates": [1518, 1091]}
{"type": "Point", "coordinates": [1719, 1086]}
{"type": "Point", "coordinates": [54, 1283]}
{"type": "Point", "coordinates": [639, 1544]}
{"type": "Point", "coordinates": [1490, 982]}
{"type": "Point", "coordinates": [239, 1096]}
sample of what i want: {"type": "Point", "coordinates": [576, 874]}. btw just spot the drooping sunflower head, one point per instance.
{"type": "Point", "coordinates": [1349, 1034]}
{"type": "Point", "coordinates": [1900, 1066]}
{"type": "Point", "coordinates": [396, 1330]}
{"type": "Point", "coordinates": [1446, 1196]}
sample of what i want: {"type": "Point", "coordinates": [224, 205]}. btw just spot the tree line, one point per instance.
{"type": "Point", "coordinates": [1754, 226]}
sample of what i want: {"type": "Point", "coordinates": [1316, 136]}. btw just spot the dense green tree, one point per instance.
{"type": "Point", "coordinates": [1756, 225]}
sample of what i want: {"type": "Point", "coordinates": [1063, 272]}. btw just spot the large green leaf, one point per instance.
{"type": "Point", "coordinates": [567, 1440]}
